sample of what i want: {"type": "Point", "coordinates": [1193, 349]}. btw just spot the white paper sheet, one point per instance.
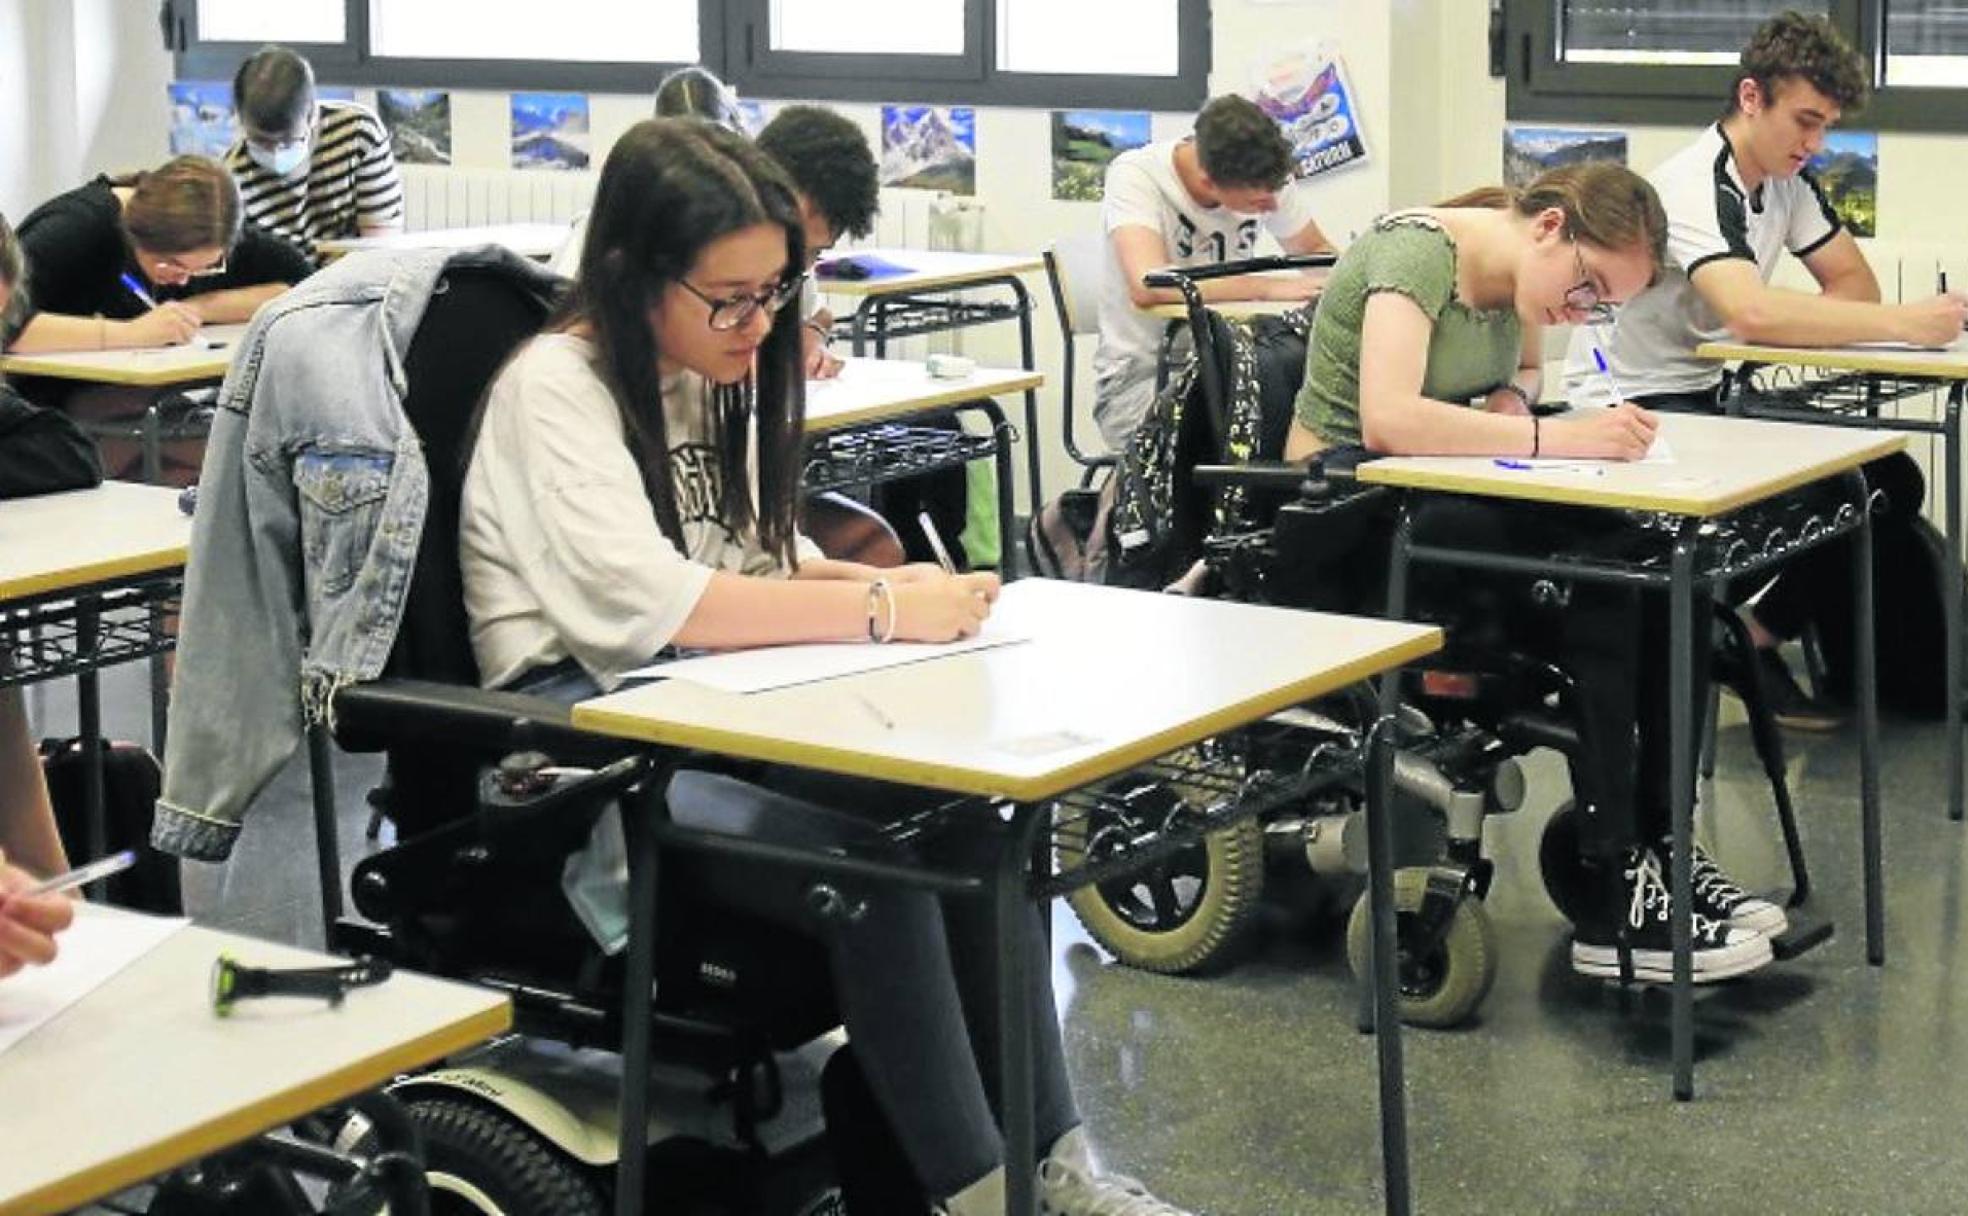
{"type": "Point", "coordinates": [769, 667]}
{"type": "Point", "coordinates": [95, 948]}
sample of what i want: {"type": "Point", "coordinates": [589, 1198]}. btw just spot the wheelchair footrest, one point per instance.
{"type": "Point", "coordinates": [1802, 935]}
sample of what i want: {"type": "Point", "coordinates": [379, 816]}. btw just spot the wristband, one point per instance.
{"type": "Point", "coordinates": [879, 593]}
{"type": "Point", "coordinates": [1512, 387]}
{"type": "Point", "coordinates": [1536, 439]}
{"type": "Point", "coordinates": [825, 333]}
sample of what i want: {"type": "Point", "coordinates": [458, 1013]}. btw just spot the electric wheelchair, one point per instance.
{"type": "Point", "coordinates": [1312, 536]}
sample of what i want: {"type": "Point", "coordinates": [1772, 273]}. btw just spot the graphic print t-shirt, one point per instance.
{"type": "Point", "coordinates": [1143, 191]}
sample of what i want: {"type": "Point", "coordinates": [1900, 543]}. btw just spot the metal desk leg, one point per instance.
{"type": "Point", "coordinates": [637, 986]}
{"type": "Point", "coordinates": [858, 341]}
{"type": "Point", "coordinates": [1951, 483]}
{"type": "Point", "coordinates": [153, 445]}
{"type": "Point", "coordinates": [1011, 904]}
{"type": "Point", "coordinates": [1868, 694]}
{"type": "Point", "coordinates": [1034, 494]}
{"type": "Point", "coordinates": [1681, 772]}
{"type": "Point", "coordinates": [88, 725]}
{"type": "Point", "coordinates": [1399, 560]}
{"type": "Point", "coordinates": [160, 682]}
{"type": "Point", "coordinates": [881, 327]}
{"type": "Point", "coordinates": [1384, 956]}
{"type": "Point", "coordinates": [327, 841]}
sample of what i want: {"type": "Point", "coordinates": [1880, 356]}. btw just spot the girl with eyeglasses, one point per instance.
{"type": "Point", "coordinates": [1428, 341]}
{"type": "Point", "coordinates": [144, 261]}
{"type": "Point", "coordinates": [633, 487]}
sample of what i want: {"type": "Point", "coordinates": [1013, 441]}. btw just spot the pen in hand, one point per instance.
{"type": "Point", "coordinates": [936, 543]}
{"type": "Point", "coordinates": [137, 289]}
{"type": "Point", "coordinates": [115, 863]}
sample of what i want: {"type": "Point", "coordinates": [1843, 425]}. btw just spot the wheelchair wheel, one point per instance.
{"type": "Point", "coordinates": [481, 1160]}
{"type": "Point", "coordinates": [1185, 914]}
{"type": "Point", "coordinates": [1444, 988]}
{"type": "Point", "coordinates": [1564, 874]}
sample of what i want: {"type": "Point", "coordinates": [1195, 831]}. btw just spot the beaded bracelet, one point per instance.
{"type": "Point", "coordinates": [879, 592]}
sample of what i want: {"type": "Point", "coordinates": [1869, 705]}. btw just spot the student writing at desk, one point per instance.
{"type": "Point", "coordinates": [1431, 310]}
{"type": "Point", "coordinates": [1190, 202]}
{"type": "Point", "coordinates": [1736, 199]}
{"type": "Point", "coordinates": [634, 487]}
{"type": "Point", "coordinates": [137, 262]}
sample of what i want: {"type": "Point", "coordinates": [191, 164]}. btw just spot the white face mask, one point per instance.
{"type": "Point", "coordinates": [280, 161]}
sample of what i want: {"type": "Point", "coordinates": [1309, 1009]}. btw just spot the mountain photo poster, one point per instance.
{"type": "Point", "coordinates": [930, 148]}
{"type": "Point", "coordinates": [1847, 170]}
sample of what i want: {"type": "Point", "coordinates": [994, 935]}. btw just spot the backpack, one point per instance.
{"type": "Point", "coordinates": [42, 451]}
{"type": "Point", "coordinates": [1160, 517]}
{"type": "Point", "coordinates": [1067, 539]}
{"type": "Point", "coordinates": [131, 781]}
{"type": "Point", "coordinates": [1911, 571]}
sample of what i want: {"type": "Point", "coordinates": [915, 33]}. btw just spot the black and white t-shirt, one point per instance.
{"type": "Point", "coordinates": [562, 555]}
{"type": "Point", "coordinates": [348, 180]}
{"type": "Point", "coordinates": [1144, 191]}
{"type": "Point", "coordinates": [1709, 217]}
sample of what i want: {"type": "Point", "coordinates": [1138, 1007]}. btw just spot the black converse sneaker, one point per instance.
{"type": "Point", "coordinates": [1720, 949]}
{"type": "Point", "coordinates": [1718, 897]}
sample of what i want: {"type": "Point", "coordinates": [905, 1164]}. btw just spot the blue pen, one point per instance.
{"type": "Point", "coordinates": [137, 289]}
{"type": "Point", "coordinates": [1605, 369]}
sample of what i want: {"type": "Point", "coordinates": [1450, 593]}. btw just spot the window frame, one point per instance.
{"type": "Point", "coordinates": [1539, 89]}
{"type": "Point", "coordinates": [351, 63]}
{"type": "Point", "coordinates": [930, 79]}
{"type": "Point", "coordinates": [724, 27]}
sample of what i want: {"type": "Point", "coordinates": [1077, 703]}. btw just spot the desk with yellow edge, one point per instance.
{"type": "Point", "coordinates": [1107, 680]}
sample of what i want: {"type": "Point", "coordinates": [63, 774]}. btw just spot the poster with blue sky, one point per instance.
{"type": "Point", "coordinates": [1529, 151]}
{"type": "Point", "coordinates": [1847, 169]}
{"type": "Point", "coordinates": [930, 148]}
{"type": "Point", "coordinates": [202, 121]}
{"type": "Point", "coordinates": [1084, 142]}
{"type": "Point", "coordinates": [419, 124]}
{"type": "Point", "coordinates": [550, 131]}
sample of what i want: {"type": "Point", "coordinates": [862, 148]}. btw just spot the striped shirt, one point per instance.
{"type": "Point", "coordinates": [350, 181]}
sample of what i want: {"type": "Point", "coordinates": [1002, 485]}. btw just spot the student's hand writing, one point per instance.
{"type": "Point", "coordinates": [1935, 321]}
{"type": "Point", "coordinates": [169, 324]}
{"type": "Point", "coordinates": [944, 609]}
{"type": "Point", "coordinates": [1621, 432]}
{"type": "Point", "coordinates": [820, 362]}
{"type": "Point", "coordinates": [28, 924]}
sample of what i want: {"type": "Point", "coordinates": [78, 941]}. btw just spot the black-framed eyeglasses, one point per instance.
{"type": "Point", "coordinates": [1583, 297]}
{"type": "Point", "coordinates": [734, 311]}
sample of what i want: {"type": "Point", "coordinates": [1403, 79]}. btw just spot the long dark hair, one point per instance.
{"type": "Point", "coordinates": [670, 188]}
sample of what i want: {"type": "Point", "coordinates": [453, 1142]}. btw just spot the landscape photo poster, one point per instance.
{"type": "Point", "coordinates": [202, 120]}
{"type": "Point", "coordinates": [1529, 151]}
{"type": "Point", "coordinates": [1307, 93]}
{"type": "Point", "coordinates": [550, 131]}
{"type": "Point", "coordinates": [1847, 170]}
{"type": "Point", "coordinates": [1084, 142]}
{"type": "Point", "coordinates": [930, 148]}
{"type": "Point", "coordinates": [419, 124]}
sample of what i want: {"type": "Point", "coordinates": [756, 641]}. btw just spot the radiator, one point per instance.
{"type": "Point", "coordinates": [435, 197]}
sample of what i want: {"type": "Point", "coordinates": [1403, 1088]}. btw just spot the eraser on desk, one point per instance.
{"type": "Point", "coordinates": [951, 367]}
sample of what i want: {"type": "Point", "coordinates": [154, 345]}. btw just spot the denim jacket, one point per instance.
{"type": "Point", "coordinates": [311, 504]}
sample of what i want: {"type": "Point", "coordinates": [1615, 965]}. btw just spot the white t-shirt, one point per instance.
{"type": "Point", "coordinates": [561, 551]}
{"type": "Point", "coordinates": [1709, 216]}
{"type": "Point", "coordinates": [1143, 191]}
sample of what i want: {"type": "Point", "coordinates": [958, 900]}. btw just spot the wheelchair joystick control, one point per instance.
{"type": "Point", "coordinates": [525, 775]}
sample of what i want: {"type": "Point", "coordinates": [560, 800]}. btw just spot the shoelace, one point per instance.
{"type": "Point", "coordinates": [1071, 1192]}
{"type": "Point", "coordinates": [1650, 897]}
{"type": "Point", "coordinates": [1710, 880]}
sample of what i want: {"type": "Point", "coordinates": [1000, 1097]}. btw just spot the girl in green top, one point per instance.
{"type": "Point", "coordinates": [1427, 342]}
{"type": "Point", "coordinates": [1438, 309]}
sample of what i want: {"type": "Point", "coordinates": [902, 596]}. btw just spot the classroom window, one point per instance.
{"type": "Point", "coordinates": [645, 31]}
{"type": "Point", "coordinates": [1927, 44]}
{"type": "Point", "coordinates": [1105, 37]}
{"type": "Point", "coordinates": [321, 21]}
{"type": "Point", "coordinates": [1672, 61]}
{"type": "Point", "coordinates": [1133, 54]}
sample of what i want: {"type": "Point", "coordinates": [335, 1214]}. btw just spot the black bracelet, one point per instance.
{"type": "Point", "coordinates": [1536, 439]}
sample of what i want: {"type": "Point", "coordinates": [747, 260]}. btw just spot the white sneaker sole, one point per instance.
{"type": "Point", "coordinates": [1657, 966]}
{"type": "Point", "coordinates": [1765, 918]}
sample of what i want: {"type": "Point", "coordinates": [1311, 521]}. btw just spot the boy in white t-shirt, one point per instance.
{"type": "Point", "coordinates": [1191, 202]}
{"type": "Point", "coordinates": [1737, 198]}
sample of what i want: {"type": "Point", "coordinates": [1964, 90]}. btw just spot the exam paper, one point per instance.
{"type": "Point", "coordinates": [101, 943]}
{"type": "Point", "coordinates": [770, 667]}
